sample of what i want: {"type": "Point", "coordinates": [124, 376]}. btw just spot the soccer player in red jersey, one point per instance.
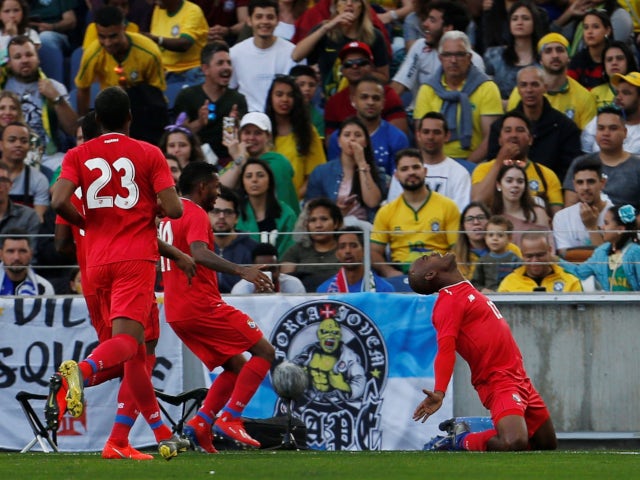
{"type": "Point", "coordinates": [216, 332]}
{"type": "Point", "coordinates": [468, 322]}
{"type": "Point", "coordinates": [125, 183]}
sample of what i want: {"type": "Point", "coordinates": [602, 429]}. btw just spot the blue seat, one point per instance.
{"type": "Point", "coordinates": [73, 96]}
{"type": "Point", "coordinates": [74, 65]}
{"type": "Point", "coordinates": [52, 62]}
{"type": "Point", "coordinates": [172, 91]}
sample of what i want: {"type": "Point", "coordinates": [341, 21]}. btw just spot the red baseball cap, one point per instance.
{"type": "Point", "coordinates": [355, 47]}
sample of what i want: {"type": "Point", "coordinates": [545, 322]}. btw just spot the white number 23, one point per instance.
{"type": "Point", "coordinates": [124, 165]}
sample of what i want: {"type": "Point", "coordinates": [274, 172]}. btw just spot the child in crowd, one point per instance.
{"type": "Point", "coordinates": [499, 262]}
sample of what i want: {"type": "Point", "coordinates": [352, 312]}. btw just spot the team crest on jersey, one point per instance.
{"type": "Point", "coordinates": [345, 358]}
{"type": "Point", "coordinates": [570, 112]}
{"type": "Point", "coordinates": [175, 31]}
{"type": "Point", "coordinates": [534, 186]}
{"type": "Point", "coordinates": [558, 286]}
{"type": "Point", "coordinates": [516, 398]}
{"type": "Point", "coordinates": [435, 226]}
{"type": "Point", "coordinates": [134, 75]}
{"type": "Point", "coordinates": [251, 324]}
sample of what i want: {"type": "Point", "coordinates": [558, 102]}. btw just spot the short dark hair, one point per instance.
{"type": "Point", "coordinates": [453, 13]}
{"type": "Point", "coordinates": [265, 249]}
{"type": "Point", "coordinates": [109, 16]}
{"type": "Point", "coordinates": [501, 221]}
{"type": "Point", "coordinates": [407, 152]}
{"type": "Point", "coordinates": [194, 173]}
{"type": "Point", "coordinates": [253, 4]}
{"type": "Point", "coordinates": [14, 124]}
{"type": "Point", "coordinates": [113, 108]}
{"type": "Point", "coordinates": [516, 114]}
{"type": "Point", "coordinates": [359, 233]}
{"type": "Point", "coordinates": [210, 49]}
{"type": "Point", "coordinates": [334, 210]}
{"type": "Point", "coordinates": [588, 163]}
{"type": "Point", "coordinates": [15, 234]}
{"type": "Point", "coordinates": [370, 79]}
{"type": "Point", "coordinates": [302, 71]}
{"type": "Point", "coordinates": [20, 40]}
{"type": "Point", "coordinates": [89, 126]}
{"type": "Point", "coordinates": [230, 195]}
{"type": "Point", "coordinates": [435, 116]}
{"type": "Point", "coordinates": [613, 110]}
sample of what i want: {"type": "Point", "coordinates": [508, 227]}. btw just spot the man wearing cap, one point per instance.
{"type": "Point", "coordinates": [356, 63]}
{"type": "Point", "coordinates": [563, 92]}
{"type": "Point", "coordinates": [628, 99]}
{"type": "Point", "coordinates": [466, 96]}
{"type": "Point", "coordinates": [556, 138]}
{"type": "Point", "coordinates": [254, 140]}
{"type": "Point", "coordinates": [258, 59]}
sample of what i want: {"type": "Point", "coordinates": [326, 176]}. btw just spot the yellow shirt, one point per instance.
{"type": "Point", "coordinates": [188, 22]}
{"type": "Point", "coordinates": [485, 100]}
{"type": "Point", "coordinates": [433, 227]}
{"type": "Point", "coordinates": [536, 185]}
{"type": "Point", "coordinates": [575, 102]}
{"type": "Point", "coordinates": [302, 165]}
{"type": "Point", "coordinates": [142, 64]}
{"type": "Point", "coordinates": [91, 33]}
{"type": "Point", "coordinates": [557, 281]}
{"type": "Point", "coordinates": [603, 95]}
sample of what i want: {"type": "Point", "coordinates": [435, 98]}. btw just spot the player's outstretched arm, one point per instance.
{"type": "Point", "coordinates": [430, 405]}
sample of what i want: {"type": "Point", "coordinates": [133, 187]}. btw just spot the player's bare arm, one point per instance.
{"type": "Point", "coordinates": [169, 203]}
{"type": "Point", "coordinates": [183, 261]}
{"type": "Point", "coordinates": [61, 202]}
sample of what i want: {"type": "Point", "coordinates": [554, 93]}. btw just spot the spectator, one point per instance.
{"type": "Point", "coordinates": [10, 109]}
{"type": "Point", "coordinates": [579, 224]}
{"type": "Point", "coordinates": [515, 140]}
{"type": "Point", "coordinates": [261, 213]}
{"type": "Point", "coordinates": [293, 134]}
{"type": "Point", "coordinates": [257, 59]}
{"type": "Point", "coordinates": [117, 57]}
{"type": "Point", "coordinates": [505, 61]}
{"type": "Point", "coordinates": [30, 186]}
{"type": "Point", "coordinates": [621, 168]}
{"type": "Point", "coordinates": [226, 19]}
{"type": "Point", "coordinates": [44, 101]}
{"type": "Point", "coordinates": [539, 272]}
{"type": "Point", "coordinates": [75, 281]}
{"type": "Point", "coordinates": [14, 20]}
{"type": "Point", "coordinates": [465, 96]}
{"type": "Point", "coordinates": [313, 257]}
{"type": "Point", "coordinates": [174, 167]}
{"type": "Point", "coordinates": [229, 243]}
{"type": "Point", "coordinates": [356, 63]}
{"type": "Point", "coordinates": [179, 28]}
{"type": "Point", "coordinates": [55, 21]}
{"type": "Point", "coordinates": [289, 12]}
{"type": "Point", "coordinates": [616, 263]}
{"type": "Point", "coordinates": [627, 98]}
{"type": "Point", "coordinates": [180, 141]}
{"type": "Point", "coordinates": [563, 92]}
{"type": "Point", "coordinates": [495, 265]}
{"type": "Point", "coordinates": [254, 140]}
{"type": "Point", "coordinates": [352, 180]}
{"type": "Point", "coordinates": [617, 58]}
{"type": "Point", "coordinates": [422, 58]}
{"type": "Point", "coordinates": [350, 277]}
{"type": "Point", "coordinates": [556, 138]}
{"type": "Point", "coordinates": [586, 64]}
{"type": "Point", "coordinates": [444, 175]}
{"type": "Point", "coordinates": [14, 215]}
{"type": "Point", "coordinates": [513, 200]}
{"type": "Point", "coordinates": [307, 81]}
{"type": "Point", "coordinates": [417, 222]}
{"type": "Point", "coordinates": [209, 103]}
{"type": "Point", "coordinates": [350, 21]}
{"type": "Point", "coordinates": [91, 32]}
{"type": "Point", "coordinates": [367, 99]}
{"type": "Point", "coordinates": [471, 244]}
{"type": "Point", "coordinates": [266, 254]}
{"type": "Point", "coordinates": [16, 275]}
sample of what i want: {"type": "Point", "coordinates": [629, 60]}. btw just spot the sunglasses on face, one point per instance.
{"type": "Point", "coordinates": [356, 62]}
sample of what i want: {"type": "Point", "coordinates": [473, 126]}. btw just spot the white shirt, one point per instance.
{"type": "Point", "coordinates": [588, 143]}
{"type": "Point", "coordinates": [568, 229]}
{"type": "Point", "coordinates": [288, 284]}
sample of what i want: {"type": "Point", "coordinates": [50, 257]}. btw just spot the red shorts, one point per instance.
{"type": "Point", "coordinates": [123, 290]}
{"type": "Point", "coordinates": [523, 400]}
{"type": "Point", "coordinates": [219, 336]}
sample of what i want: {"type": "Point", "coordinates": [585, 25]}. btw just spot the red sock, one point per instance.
{"type": "Point", "coordinates": [249, 379]}
{"type": "Point", "coordinates": [138, 380]}
{"type": "Point", "coordinates": [109, 354]}
{"type": "Point", "coordinates": [104, 375]}
{"type": "Point", "coordinates": [125, 416]}
{"type": "Point", "coordinates": [150, 363]}
{"type": "Point", "coordinates": [218, 394]}
{"type": "Point", "coordinates": [477, 441]}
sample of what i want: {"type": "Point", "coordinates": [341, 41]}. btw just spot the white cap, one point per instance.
{"type": "Point", "coordinates": [258, 119]}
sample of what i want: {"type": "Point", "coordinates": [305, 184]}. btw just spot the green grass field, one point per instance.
{"type": "Point", "coordinates": [309, 465]}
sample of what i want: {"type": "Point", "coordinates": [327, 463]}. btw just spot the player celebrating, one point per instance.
{"type": "Point", "coordinates": [122, 181]}
{"type": "Point", "coordinates": [467, 321]}
{"type": "Point", "coordinates": [217, 333]}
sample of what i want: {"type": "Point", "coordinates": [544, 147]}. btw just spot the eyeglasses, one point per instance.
{"type": "Point", "coordinates": [227, 212]}
{"type": "Point", "coordinates": [212, 112]}
{"type": "Point", "coordinates": [122, 78]}
{"type": "Point", "coordinates": [458, 55]}
{"type": "Point", "coordinates": [475, 218]}
{"type": "Point", "coordinates": [356, 62]}
{"type": "Point", "coordinates": [510, 163]}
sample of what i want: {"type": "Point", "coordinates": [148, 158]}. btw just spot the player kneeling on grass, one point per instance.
{"type": "Point", "coordinates": [468, 322]}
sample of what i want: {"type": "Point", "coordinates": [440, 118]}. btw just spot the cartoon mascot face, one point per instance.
{"type": "Point", "coordinates": [329, 335]}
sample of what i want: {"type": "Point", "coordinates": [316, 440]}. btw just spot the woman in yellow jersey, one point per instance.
{"type": "Point", "coordinates": [618, 58]}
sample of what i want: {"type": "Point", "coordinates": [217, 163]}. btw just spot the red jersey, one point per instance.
{"type": "Point", "coordinates": [119, 178]}
{"type": "Point", "coordinates": [181, 300]}
{"type": "Point", "coordinates": [482, 336]}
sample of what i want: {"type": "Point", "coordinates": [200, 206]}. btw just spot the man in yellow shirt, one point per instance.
{"type": "Point", "coordinates": [465, 96]}
{"type": "Point", "coordinates": [91, 33]}
{"type": "Point", "coordinates": [417, 222]}
{"type": "Point", "coordinates": [539, 273]}
{"type": "Point", "coordinates": [563, 92]}
{"type": "Point", "coordinates": [117, 58]}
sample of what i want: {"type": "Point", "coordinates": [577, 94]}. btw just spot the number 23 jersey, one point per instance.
{"type": "Point", "coordinates": [119, 178]}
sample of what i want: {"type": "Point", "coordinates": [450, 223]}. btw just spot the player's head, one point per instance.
{"type": "Point", "coordinates": [199, 181]}
{"type": "Point", "coordinates": [113, 109]}
{"type": "Point", "coordinates": [430, 273]}
{"type": "Point", "coordinates": [89, 126]}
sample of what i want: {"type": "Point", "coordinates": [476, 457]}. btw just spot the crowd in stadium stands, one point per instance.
{"type": "Point", "coordinates": [505, 131]}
